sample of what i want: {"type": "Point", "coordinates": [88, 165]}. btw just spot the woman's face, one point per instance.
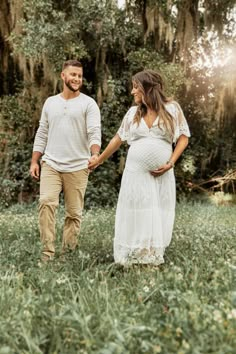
{"type": "Point", "coordinates": [136, 92]}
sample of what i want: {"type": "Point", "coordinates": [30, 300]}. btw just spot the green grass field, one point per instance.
{"type": "Point", "coordinates": [87, 304]}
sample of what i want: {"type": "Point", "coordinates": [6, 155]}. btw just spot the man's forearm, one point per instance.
{"type": "Point", "coordinates": [36, 156]}
{"type": "Point", "coordinates": [95, 149]}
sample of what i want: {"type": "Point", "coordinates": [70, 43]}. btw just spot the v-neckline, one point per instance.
{"type": "Point", "coordinates": [152, 123]}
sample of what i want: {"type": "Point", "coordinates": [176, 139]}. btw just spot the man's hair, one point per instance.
{"type": "Point", "coordinates": [71, 63]}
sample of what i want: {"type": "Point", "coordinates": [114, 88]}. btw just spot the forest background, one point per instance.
{"type": "Point", "coordinates": [192, 44]}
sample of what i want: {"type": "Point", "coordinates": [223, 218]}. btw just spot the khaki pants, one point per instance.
{"type": "Point", "coordinates": [73, 185]}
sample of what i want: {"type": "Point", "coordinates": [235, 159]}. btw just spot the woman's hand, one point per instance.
{"type": "Point", "coordinates": [93, 162]}
{"type": "Point", "coordinates": [161, 170]}
{"type": "Point", "coordinates": [113, 146]}
{"type": "Point", "coordinates": [179, 148]}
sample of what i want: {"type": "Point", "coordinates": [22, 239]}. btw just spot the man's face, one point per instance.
{"type": "Point", "coordinates": [72, 77]}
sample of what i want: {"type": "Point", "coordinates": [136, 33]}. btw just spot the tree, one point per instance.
{"type": "Point", "coordinates": [180, 38]}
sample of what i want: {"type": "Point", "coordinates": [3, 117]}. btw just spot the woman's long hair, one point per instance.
{"type": "Point", "coordinates": [150, 84]}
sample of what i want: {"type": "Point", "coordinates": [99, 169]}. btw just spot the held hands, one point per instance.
{"type": "Point", "coordinates": [34, 170]}
{"type": "Point", "coordinates": [93, 162]}
{"type": "Point", "coordinates": [162, 169]}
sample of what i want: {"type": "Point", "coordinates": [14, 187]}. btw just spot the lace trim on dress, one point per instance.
{"type": "Point", "coordinates": [124, 130]}
{"type": "Point", "coordinates": [184, 129]}
{"type": "Point", "coordinates": [130, 256]}
{"type": "Point", "coordinates": [181, 123]}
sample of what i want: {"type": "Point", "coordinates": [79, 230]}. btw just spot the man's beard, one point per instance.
{"type": "Point", "coordinates": [70, 87]}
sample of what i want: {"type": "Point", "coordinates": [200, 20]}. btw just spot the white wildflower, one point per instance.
{"type": "Point", "coordinates": [185, 344]}
{"type": "Point", "coordinates": [146, 289]}
{"type": "Point", "coordinates": [232, 315]}
{"type": "Point", "coordinates": [217, 316]}
{"type": "Point", "coordinates": [61, 280]}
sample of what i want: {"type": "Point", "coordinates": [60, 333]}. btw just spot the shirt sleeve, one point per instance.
{"type": "Point", "coordinates": [93, 119]}
{"type": "Point", "coordinates": [124, 130]}
{"type": "Point", "coordinates": [181, 125]}
{"type": "Point", "coordinates": [41, 136]}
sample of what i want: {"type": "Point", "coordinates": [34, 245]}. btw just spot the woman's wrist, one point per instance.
{"type": "Point", "coordinates": [97, 153]}
{"type": "Point", "coordinates": [170, 162]}
{"type": "Point", "coordinates": [100, 160]}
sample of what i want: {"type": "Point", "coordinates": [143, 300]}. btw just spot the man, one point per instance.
{"type": "Point", "coordinates": [69, 134]}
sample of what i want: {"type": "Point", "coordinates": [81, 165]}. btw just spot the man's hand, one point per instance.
{"type": "Point", "coordinates": [93, 162]}
{"type": "Point", "coordinates": [34, 170]}
{"type": "Point", "coordinates": [161, 170]}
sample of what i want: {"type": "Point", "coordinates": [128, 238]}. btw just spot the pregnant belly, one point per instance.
{"type": "Point", "coordinates": [147, 155]}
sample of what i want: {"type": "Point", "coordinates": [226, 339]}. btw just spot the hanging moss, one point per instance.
{"type": "Point", "coordinates": [113, 44]}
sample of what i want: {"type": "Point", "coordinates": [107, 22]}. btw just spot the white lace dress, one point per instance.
{"type": "Point", "coordinates": [146, 204]}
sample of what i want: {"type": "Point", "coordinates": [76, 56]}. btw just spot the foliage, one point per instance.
{"type": "Point", "coordinates": [17, 129]}
{"type": "Point", "coordinates": [212, 89]}
{"type": "Point", "coordinates": [88, 304]}
{"type": "Point", "coordinates": [76, 30]}
{"type": "Point", "coordinates": [112, 46]}
{"type": "Point", "coordinates": [173, 74]}
{"type": "Point", "coordinates": [43, 25]}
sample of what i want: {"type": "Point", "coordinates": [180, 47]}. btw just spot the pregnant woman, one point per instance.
{"type": "Point", "coordinates": [146, 205]}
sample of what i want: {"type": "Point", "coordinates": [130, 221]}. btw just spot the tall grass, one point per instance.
{"type": "Point", "coordinates": [87, 304]}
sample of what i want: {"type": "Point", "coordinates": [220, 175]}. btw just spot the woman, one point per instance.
{"type": "Point", "coordinates": [146, 204]}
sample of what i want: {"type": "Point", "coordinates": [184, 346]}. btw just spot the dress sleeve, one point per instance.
{"type": "Point", "coordinates": [124, 130]}
{"type": "Point", "coordinates": [181, 125]}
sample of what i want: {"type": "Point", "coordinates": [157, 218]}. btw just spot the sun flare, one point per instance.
{"type": "Point", "coordinates": [210, 54]}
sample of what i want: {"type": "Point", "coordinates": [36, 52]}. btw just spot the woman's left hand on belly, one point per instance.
{"type": "Point", "coordinates": [161, 170]}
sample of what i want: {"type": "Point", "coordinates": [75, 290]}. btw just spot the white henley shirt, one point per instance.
{"type": "Point", "coordinates": [67, 130]}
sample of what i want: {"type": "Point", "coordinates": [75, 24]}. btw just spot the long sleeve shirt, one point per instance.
{"type": "Point", "coordinates": [67, 130]}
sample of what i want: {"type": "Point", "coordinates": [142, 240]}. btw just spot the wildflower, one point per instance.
{"type": "Point", "coordinates": [217, 316]}
{"type": "Point", "coordinates": [178, 331]}
{"type": "Point", "coordinates": [185, 344]}
{"type": "Point", "coordinates": [232, 315]}
{"type": "Point", "coordinates": [180, 276]}
{"type": "Point", "coordinates": [152, 282]}
{"type": "Point", "coordinates": [61, 281]}
{"type": "Point", "coordinates": [27, 313]}
{"type": "Point", "coordinates": [146, 289]}
{"type": "Point", "coordinates": [157, 349]}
